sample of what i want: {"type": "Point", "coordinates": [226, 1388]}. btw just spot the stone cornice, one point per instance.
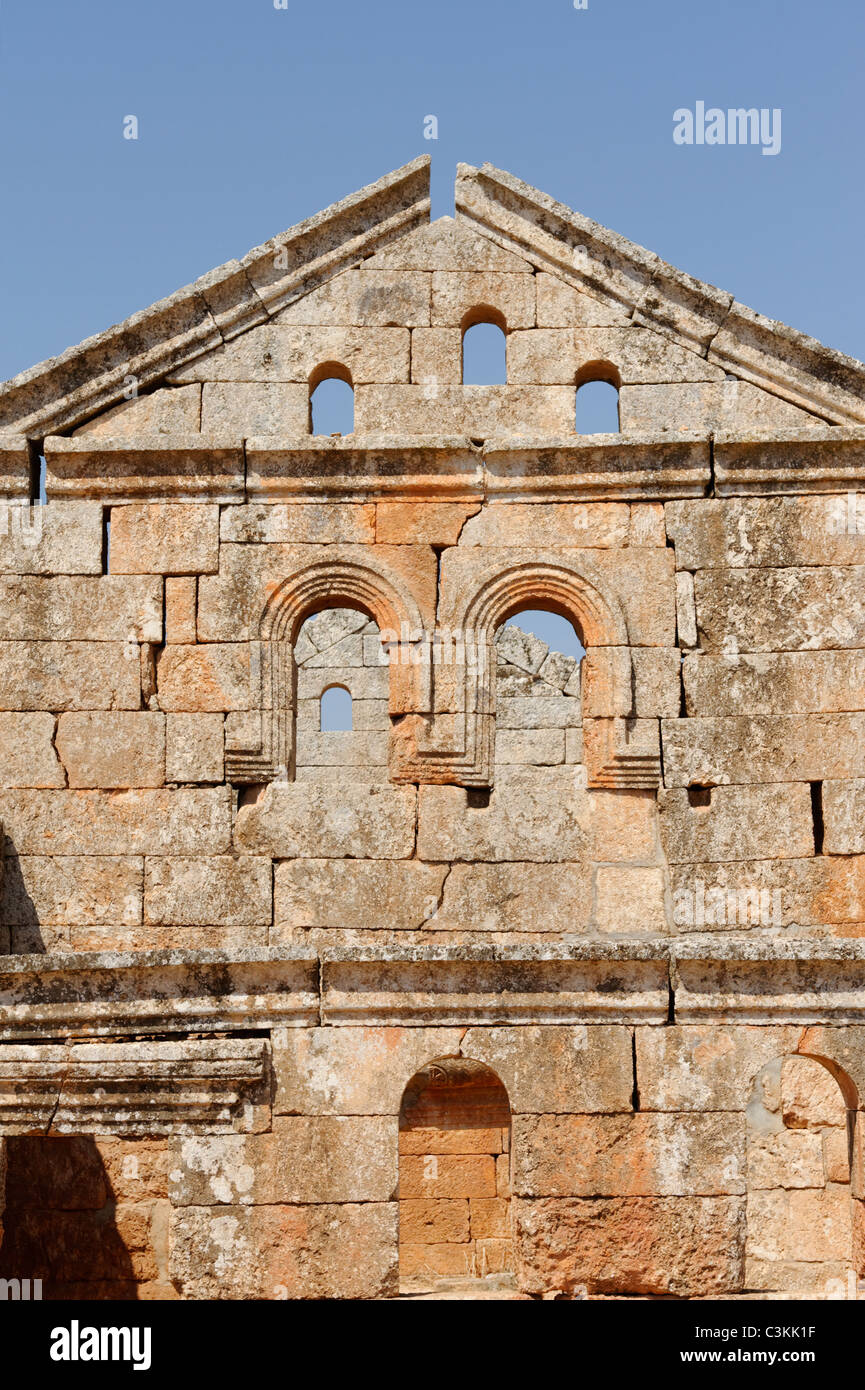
{"type": "Point", "coordinates": [818, 460]}
{"type": "Point", "coordinates": [85, 380]}
{"type": "Point", "coordinates": [210, 1086]}
{"type": "Point", "coordinates": [709, 978]}
{"type": "Point", "coordinates": [107, 993]}
{"type": "Point", "coordinates": [358, 468]}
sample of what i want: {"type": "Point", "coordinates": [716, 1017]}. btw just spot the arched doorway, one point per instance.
{"type": "Point", "coordinates": [799, 1239]}
{"type": "Point", "coordinates": [454, 1175]}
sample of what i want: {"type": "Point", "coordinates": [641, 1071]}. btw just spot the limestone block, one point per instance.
{"type": "Point", "coordinates": [69, 675]}
{"type": "Point", "coordinates": [164, 411]}
{"type": "Point", "coordinates": [436, 357]}
{"type": "Point", "coordinates": [306, 820]}
{"type": "Point", "coordinates": [808, 1225]}
{"type": "Point", "coordinates": [175, 466]}
{"type": "Point", "coordinates": [424, 523]}
{"type": "Point", "coordinates": [353, 750]}
{"type": "Point", "coordinates": [776, 610]}
{"type": "Point", "coordinates": [786, 1159]}
{"type": "Point", "coordinates": [352, 1071]}
{"type": "Point", "coordinates": [836, 1156]}
{"type": "Point", "coordinates": [521, 649]}
{"type": "Point", "coordinates": [452, 1175]}
{"type": "Point", "coordinates": [630, 899]}
{"type": "Point", "coordinates": [61, 890]}
{"type": "Point", "coordinates": [369, 684]}
{"type": "Point", "coordinates": [739, 823]}
{"type": "Point", "coordinates": [455, 293]}
{"type": "Point", "coordinates": [585, 524]}
{"type": "Point", "coordinates": [763, 748]}
{"type": "Point", "coordinates": [14, 466]}
{"type": "Point", "coordinates": [211, 676]}
{"type": "Point", "coordinates": [371, 298]}
{"type": "Point", "coordinates": [559, 670]}
{"type": "Point", "coordinates": [706, 407]}
{"type": "Point", "coordinates": [476, 411]}
{"type": "Point", "coordinates": [562, 306]}
{"type": "Point", "coordinates": [244, 408]}
{"type": "Point", "coordinates": [769, 532]}
{"type": "Point", "coordinates": [828, 1279]}
{"type": "Point", "coordinates": [530, 747]}
{"type": "Point", "coordinates": [324, 1251]}
{"type": "Point", "coordinates": [528, 818]}
{"type": "Point", "coordinates": [231, 603]}
{"type": "Point", "coordinates": [446, 244]}
{"type": "Point", "coordinates": [112, 750]}
{"type": "Point", "coordinates": [354, 894]}
{"type": "Point", "coordinates": [822, 892]}
{"type": "Point", "coordinates": [453, 1141]}
{"type": "Point", "coordinates": [181, 601]}
{"type": "Point", "coordinates": [63, 538]}
{"type": "Point", "coordinates": [686, 610]}
{"type": "Point", "coordinates": [426, 1223]}
{"type": "Point", "coordinates": [291, 352]}
{"type": "Point", "coordinates": [628, 1155]}
{"type": "Point", "coordinates": [218, 891]}
{"type": "Point", "coordinates": [844, 816]}
{"type": "Point", "coordinates": [305, 523]}
{"type": "Point", "coordinates": [28, 757]}
{"type": "Point", "coordinates": [765, 683]}
{"type": "Point", "coordinates": [164, 538]}
{"type": "Point", "coordinates": [810, 1096]}
{"type": "Point", "coordinates": [635, 681]}
{"type": "Point", "coordinates": [515, 897]}
{"type": "Point", "coordinates": [111, 608]}
{"type": "Point", "coordinates": [321, 1158]}
{"type": "Point", "coordinates": [558, 1070]}
{"type": "Point", "coordinates": [647, 524]}
{"type": "Point", "coordinates": [194, 748]}
{"type": "Point", "coordinates": [549, 355]}
{"type": "Point", "coordinates": [134, 822]}
{"type": "Point", "coordinates": [686, 1246]}
{"type": "Point", "coordinates": [695, 1067]}
{"type": "Point", "coordinates": [538, 712]}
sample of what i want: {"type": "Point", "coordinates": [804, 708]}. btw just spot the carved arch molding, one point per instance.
{"type": "Point", "coordinates": [442, 672]}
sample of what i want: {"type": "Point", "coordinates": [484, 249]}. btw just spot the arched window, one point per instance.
{"type": "Point", "coordinates": [597, 406]}
{"type": "Point", "coordinates": [342, 724]}
{"type": "Point", "coordinates": [331, 400]}
{"type": "Point", "coordinates": [484, 347]}
{"type": "Point", "coordinates": [335, 712]}
{"type": "Point", "coordinates": [538, 699]}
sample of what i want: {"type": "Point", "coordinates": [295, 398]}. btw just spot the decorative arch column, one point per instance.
{"type": "Point", "coordinates": [338, 583]}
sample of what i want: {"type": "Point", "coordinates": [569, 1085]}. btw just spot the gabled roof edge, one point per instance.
{"type": "Point", "coordinates": [691, 312]}
{"type": "Point", "coordinates": [65, 390]}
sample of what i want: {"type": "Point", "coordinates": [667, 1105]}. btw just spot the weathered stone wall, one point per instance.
{"type": "Point", "coordinates": [632, 887]}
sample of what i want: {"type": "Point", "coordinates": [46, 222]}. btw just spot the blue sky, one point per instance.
{"type": "Point", "coordinates": [252, 118]}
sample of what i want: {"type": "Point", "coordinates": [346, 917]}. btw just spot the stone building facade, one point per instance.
{"type": "Point", "coordinates": [547, 975]}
